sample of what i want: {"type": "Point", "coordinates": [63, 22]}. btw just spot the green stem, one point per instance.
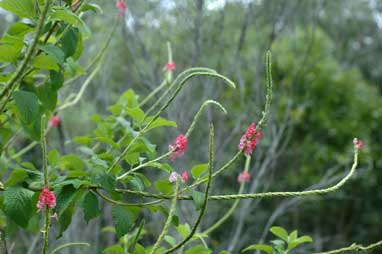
{"type": "Point", "coordinates": [28, 56]}
{"type": "Point", "coordinates": [234, 205]}
{"type": "Point", "coordinates": [66, 245]}
{"type": "Point", "coordinates": [355, 247]}
{"type": "Point", "coordinates": [203, 208]}
{"type": "Point", "coordinates": [46, 231]}
{"type": "Point", "coordinates": [169, 218]}
{"type": "Point", "coordinates": [44, 152]}
{"type": "Point", "coordinates": [268, 99]}
{"type": "Point", "coordinates": [123, 203]}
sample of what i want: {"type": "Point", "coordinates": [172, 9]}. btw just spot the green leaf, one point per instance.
{"type": "Point", "coordinates": [198, 170]}
{"type": "Point", "coordinates": [166, 167]}
{"type": "Point", "coordinates": [114, 249]}
{"type": "Point", "coordinates": [9, 53]}
{"type": "Point", "coordinates": [65, 198]}
{"type": "Point", "coordinates": [198, 249]}
{"type": "Point", "coordinates": [22, 8]}
{"type": "Point", "coordinates": [18, 205]}
{"type": "Point", "coordinates": [56, 79]}
{"type": "Point", "coordinates": [45, 62]}
{"type": "Point", "coordinates": [280, 232]}
{"type": "Point", "coordinates": [71, 162]}
{"type": "Point", "coordinates": [170, 240]}
{"type": "Point", "coordinates": [69, 41]}
{"type": "Point", "coordinates": [137, 184]}
{"type": "Point", "coordinates": [106, 181]}
{"type": "Point", "coordinates": [268, 249]}
{"type": "Point", "coordinates": [64, 14]}
{"type": "Point", "coordinates": [53, 157]}
{"type": "Point", "coordinates": [47, 96]}
{"type": "Point", "coordinates": [184, 230]}
{"type": "Point", "coordinates": [55, 52]}
{"type": "Point", "coordinates": [19, 29]}
{"type": "Point", "coordinates": [298, 241]}
{"type": "Point", "coordinates": [159, 122]}
{"type": "Point", "coordinates": [164, 186]}
{"type": "Point", "coordinates": [92, 7]}
{"type": "Point", "coordinates": [29, 109]}
{"type": "Point", "coordinates": [123, 220]}
{"type": "Point", "coordinates": [90, 206]}
{"type": "Point", "coordinates": [198, 198]}
{"type": "Point", "coordinates": [17, 176]}
{"type": "Point", "coordinates": [136, 114]}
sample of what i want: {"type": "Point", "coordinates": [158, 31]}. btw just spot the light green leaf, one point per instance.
{"type": "Point", "coordinates": [19, 29]}
{"type": "Point", "coordinates": [198, 249]}
{"type": "Point", "coordinates": [90, 206]}
{"type": "Point", "coordinates": [22, 8]}
{"type": "Point", "coordinates": [114, 249]}
{"type": "Point", "coordinates": [45, 62]}
{"type": "Point", "coordinates": [53, 157]}
{"type": "Point", "coordinates": [18, 205]}
{"type": "Point", "coordinates": [164, 186]}
{"type": "Point", "coordinates": [268, 249]}
{"type": "Point", "coordinates": [159, 122]}
{"type": "Point", "coordinates": [280, 232]}
{"type": "Point", "coordinates": [123, 220]}
{"type": "Point", "coordinates": [71, 162]}
{"type": "Point", "coordinates": [198, 170]}
{"type": "Point", "coordinates": [184, 230]}
{"type": "Point", "coordinates": [17, 176]}
{"type": "Point", "coordinates": [170, 240]}
{"type": "Point", "coordinates": [9, 53]}
{"type": "Point", "coordinates": [298, 241]}
{"type": "Point", "coordinates": [136, 114]}
{"type": "Point", "coordinates": [47, 96]}
{"type": "Point", "coordinates": [198, 198]}
{"type": "Point", "coordinates": [55, 52]}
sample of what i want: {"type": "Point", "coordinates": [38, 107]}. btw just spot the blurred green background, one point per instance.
{"type": "Point", "coordinates": [327, 71]}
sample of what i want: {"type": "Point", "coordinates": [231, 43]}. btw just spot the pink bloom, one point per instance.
{"type": "Point", "coordinates": [185, 176]}
{"type": "Point", "coordinates": [46, 198]}
{"type": "Point", "coordinates": [121, 5]}
{"type": "Point", "coordinates": [358, 143]}
{"type": "Point", "coordinates": [173, 177]}
{"type": "Point", "coordinates": [54, 121]}
{"type": "Point", "coordinates": [170, 66]}
{"type": "Point", "coordinates": [178, 146]}
{"type": "Point", "coordinates": [249, 140]}
{"type": "Point", "coordinates": [244, 177]}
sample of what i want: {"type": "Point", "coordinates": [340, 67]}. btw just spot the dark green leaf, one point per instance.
{"type": "Point", "coordinates": [90, 206]}
{"type": "Point", "coordinates": [18, 205]}
{"type": "Point", "coordinates": [106, 181]}
{"type": "Point", "coordinates": [198, 198]}
{"type": "Point", "coordinates": [123, 220]}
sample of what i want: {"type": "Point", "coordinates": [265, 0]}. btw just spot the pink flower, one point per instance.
{"type": "Point", "coordinates": [249, 140]}
{"type": "Point", "coordinates": [178, 146]}
{"type": "Point", "coordinates": [173, 177]}
{"type": "Point", "coordinates": [170, 66]}
{"type": "Point", "coordinates": [244, 177]}
{"type": "Point", "coordinates": [121, 5]}
{"type": "Point", "coordinates": [358, 143]}
{"type": "Point", "coordinates": [46, 198]}
{"type": "Point", "coordinates": [54, 121]}
{"type": "Point", "coordinates": [185, 176]}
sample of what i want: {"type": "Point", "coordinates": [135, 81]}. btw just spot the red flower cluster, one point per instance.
{"type": "Point", "coordinates": [170, 66]}
{"type": "Point", "coordinates": [178, 146]}
{"type": "Point", "coordinates": [54, 121]}
{"type": "Point", "coordinates": [185, 176]}
{"type": "Point", "coordinates": [46, 198]}
{"type": "Point", "coordinates": [244, 177]}
{"type": "Point", "coordinates": [121, 5]}
{"type": "Point", "coordinates": [249, 140]}
{"type": "Point", "coordinates": [358, 143]}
